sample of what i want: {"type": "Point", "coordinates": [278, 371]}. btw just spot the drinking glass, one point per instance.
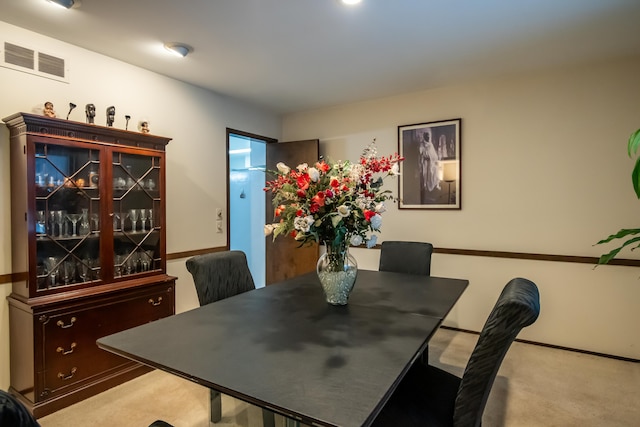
{"type": "Point", "coordinates": [85, 269]}
{"type": "Point", "coordinates": [133, 216]}
{"type": "Point", "coordinates": [118, 265]}
{"type": "Point", "coordinates": [95, 219]}
{"type": "Point", "coordinates": [74, 218]}
{"type": "Point", "coordinates": [62, 224]}
{"type": "Point", "coordinates": [41, 227]}
{"type": "Point", "coordinates": [85, 226]}
{"type": "Point", "coordinates": [150, 217]}
{"type": "Point", "coordinates": [69, 271]}
{"type": "Point", "coordinates": [52, 223]}
{"type": "Point", "coordinates": [51, 263]}
{"type": "Point", "coordinates": [143, 219]}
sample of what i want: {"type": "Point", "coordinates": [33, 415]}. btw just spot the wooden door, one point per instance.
{"type": "Point", "coordinates": [284, 257]}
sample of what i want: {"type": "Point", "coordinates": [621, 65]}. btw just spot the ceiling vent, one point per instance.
{"type": "Point", "coordinates": [31, 61]}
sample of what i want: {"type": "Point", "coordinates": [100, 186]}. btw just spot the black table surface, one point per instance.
{"type": "Point", "coordinates": [284, 348]}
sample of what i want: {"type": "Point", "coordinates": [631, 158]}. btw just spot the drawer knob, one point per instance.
{"type": "Point", "coordinates": [63, 326]}
{"type": "Point", "coordinates": [155, 303]}
{"type": "Point", "coordinates": [68, 377]}
{"type": "Point", "coordinates": [62, 350]}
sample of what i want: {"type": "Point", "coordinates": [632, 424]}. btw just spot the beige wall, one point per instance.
{"type": "Point", "coordinates": [196, 119]}
{"type": "Point", "coordinates": [544, 170]}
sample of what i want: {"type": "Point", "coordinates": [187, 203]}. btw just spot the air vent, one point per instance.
{"type": "Point", "coordinates": [50, 65]}
{"type": "Point", "coordinates": [19, 56]}
{"type": "Point", "coordinates": [31, 61]}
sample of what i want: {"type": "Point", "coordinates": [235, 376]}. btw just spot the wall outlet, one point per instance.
{"type": "Point", "coordinates": [218, 213]}
{"type": "Point", "coordinates": [219, 226]}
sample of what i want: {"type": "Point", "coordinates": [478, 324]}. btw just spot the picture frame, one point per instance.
{"type": "Point", "coordinates": [430, 175]}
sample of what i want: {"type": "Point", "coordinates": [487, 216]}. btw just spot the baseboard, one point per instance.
{"type": "Point", "coordinates": [557, 347]}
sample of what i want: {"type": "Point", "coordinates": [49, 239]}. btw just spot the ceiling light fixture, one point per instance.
{"type": "Point", "coordinates": [178, 49]}
{"type": "Point", "coordinates": [351, 2]}
{"type": "Point", "coordinates": [67, 4]}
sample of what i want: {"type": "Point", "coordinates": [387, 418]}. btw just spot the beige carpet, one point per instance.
{"type": "Point", "coordinates": [536, 386]}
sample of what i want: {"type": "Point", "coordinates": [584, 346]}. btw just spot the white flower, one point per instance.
{"type": "Point", "coordinates": [380, 208]}
{"type": "Point", "coordinates": [372, 241]}
{"type": "Point", "coordinates": [344, 211]}
{"type": "Point", "coordinates": [302, 167]}
{"type": "Point", "coordinates": [356, 240]}
{"type": "Point", "coordinates": [314, 174]}
{"type": "Point", "coordinates": [303, 223]}
{"type": "Point", "coordinates": [376, 222]}
{"type": "Point", "coordinates": [395, 170]}
{"type": "Point", "coordinates": [268, 229]}
{"type": "Point", "coordinates": [282, 168]}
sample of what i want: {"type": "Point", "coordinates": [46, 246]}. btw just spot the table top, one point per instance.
{"type": "Point", "coordinates": [284, 348]}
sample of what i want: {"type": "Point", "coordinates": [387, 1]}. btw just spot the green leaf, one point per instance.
{"type": "Point", "coordinates": [608, 257]}
{"type": "Point", "coordinates": [635, 177]}
{"type": "Point", "coordinates": [622, 233]}
{"type": "Point", "coordinates": [634, 142]}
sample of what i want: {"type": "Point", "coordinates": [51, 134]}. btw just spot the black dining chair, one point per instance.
{"type": "Point", "coordinates": [217, 276]}
{"type": "Point", "coordinates": [406, 257]}
{"type": "Point", "coordinates": [429, 396]}
{"type": "Point", "coordinates": [410, 258]}
{"type": "Point", "coordinates": [13, 413]}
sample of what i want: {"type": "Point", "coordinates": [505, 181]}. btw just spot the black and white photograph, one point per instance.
{"type": "Point", "coordinates": [430, 173]}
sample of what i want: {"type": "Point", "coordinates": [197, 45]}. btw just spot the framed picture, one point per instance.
{"type": "Point", "coordinates": [430, 172]}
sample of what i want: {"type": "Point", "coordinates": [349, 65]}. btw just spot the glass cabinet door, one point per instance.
{"type": "Point", "coordinates": [67, 212]}
{"type": "Point", "coordinates": [136, 208]}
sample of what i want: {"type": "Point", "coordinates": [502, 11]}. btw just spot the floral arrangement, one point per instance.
{"type": "Point", "coordinates": [332, 202]}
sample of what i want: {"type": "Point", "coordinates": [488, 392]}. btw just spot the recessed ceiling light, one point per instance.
{"type": "Point", "coordinates": [178, 49]}
{"type": "Point", "coordinates": [67, 4]}
{"type": "Point", "coordinates": [351, 2]}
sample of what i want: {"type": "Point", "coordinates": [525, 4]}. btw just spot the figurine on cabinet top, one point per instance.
{"type": "Point", "coordinates": [90, 111]}
{"type": "Point", "coordinates": [48, 109]}
{"type": "Point", "coordinates": [111, 114]}
{"type": "Point", "coordinates": [144, 126]}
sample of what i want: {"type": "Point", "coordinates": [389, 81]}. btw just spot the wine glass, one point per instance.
{"type": "Point", "coordinates": [95, 219]}
{"type": "Point", "coordinates": [85, 268]}
{"type": "Point", "coordinates": [74, 218]}
{"type": "Point", "coordinates": [143, 219]}
{"type": "Point", "coordinates": [68, 271]}
{"type": "Point", "coordinates": [52, 223]}
{"type": "Point", "coordinates": [62, 225]}
{"type": "Point", "coordinates": [52, 268]}
{"type": "Point", "coordinates": [133, 216]}
{"type": "Point", "coordinates": [41, 227]}
{"type": "Point", "coordinates": [118, 265]}
{"type": "Point", "coordinates": [150, 217]}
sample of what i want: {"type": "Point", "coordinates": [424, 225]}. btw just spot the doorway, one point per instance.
{"type": "Point", "coordinates": [246, 157]}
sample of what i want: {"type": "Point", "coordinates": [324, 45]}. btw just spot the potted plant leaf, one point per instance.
{"type": "Point", "coordinates": [631, 234]}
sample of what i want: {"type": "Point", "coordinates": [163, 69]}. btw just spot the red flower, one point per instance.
{"type": "Point", "coordinates": [318, 199]}
{"type": "Point", "coordinates": [303, 181]}
{"type": "Point", "coordinates": [322, 166]}
{"type": "Point", "coordinates": [368, 215]}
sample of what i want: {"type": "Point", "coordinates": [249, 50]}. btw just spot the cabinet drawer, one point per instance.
{"type": "Point", "coordinates": [71, 355]}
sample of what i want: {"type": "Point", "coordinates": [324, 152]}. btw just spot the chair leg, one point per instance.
{"type": "Point", "coordinates": [216, 406]}
{"type": "Point", "coordinates": [268, 418]}
{"type": "Point", "coordinates": [424, 357]}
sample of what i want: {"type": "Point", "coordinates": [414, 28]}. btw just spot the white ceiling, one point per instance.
{"type": "Point", "coordinates": [296, 55]}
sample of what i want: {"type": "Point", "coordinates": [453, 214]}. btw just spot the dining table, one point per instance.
{"type": "Point", "coordinates": [285, 349]}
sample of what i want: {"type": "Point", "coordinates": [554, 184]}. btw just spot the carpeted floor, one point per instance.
{"type": "Point", "coordinates": [536, 386]}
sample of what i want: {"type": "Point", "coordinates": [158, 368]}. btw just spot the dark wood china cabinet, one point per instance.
{"type": "Point", "coordinates": [88, 254]}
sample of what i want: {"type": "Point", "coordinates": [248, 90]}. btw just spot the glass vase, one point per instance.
{"type": "Point", "coordinates": [337, 271]}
